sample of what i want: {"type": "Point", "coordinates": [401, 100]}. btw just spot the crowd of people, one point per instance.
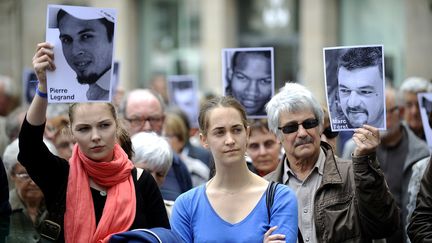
{"type": "Point", "coordinates": [103, 172]}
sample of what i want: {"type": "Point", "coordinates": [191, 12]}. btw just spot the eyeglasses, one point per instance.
{"type": "Point", "coordinates": [329, 133]}
{"type": "Point", "coordinates": [307, 124]}
{"type": "Point", "coordinates": [23, 176]}
{"type": "Point", "coordinates": [140, 121]}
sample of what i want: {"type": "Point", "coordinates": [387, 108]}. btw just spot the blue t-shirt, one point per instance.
{"type": "Point", "coordinates": [194, 219]}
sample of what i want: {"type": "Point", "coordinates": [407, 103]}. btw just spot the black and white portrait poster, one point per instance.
{"type": "Point", "coordinates": [83, 40]}
{"type": "Point", "coordinates": [183, 93]}
{"type": "Point", "coordinates": [425, 104]}
{"type": "Point", "coordinates": [29, 83]}
{"type": "Point", "coordinates": [355, 86]}
{"type": "Point", "coordinates": [248, 76]}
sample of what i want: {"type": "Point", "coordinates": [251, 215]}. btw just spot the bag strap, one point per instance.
{"type": "Point", "coordinates": [51, 227]}
{"type": "Point", "coordinates": [270, 193]}
{"type": "Point", "coordinates": [270, 197]}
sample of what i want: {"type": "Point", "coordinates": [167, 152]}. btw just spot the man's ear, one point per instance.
{"type": "Point", "coordinates": [230, 74]}
{"type": "Point", "coordinates": [203, 139]}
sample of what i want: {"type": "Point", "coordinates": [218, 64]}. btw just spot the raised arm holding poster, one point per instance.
{"type": "Point", "coordinates": [355, 86]}
{"type": "Point", "coordinates": [248, 75]}
{"type": "Point", "coordinates": [83, 39]}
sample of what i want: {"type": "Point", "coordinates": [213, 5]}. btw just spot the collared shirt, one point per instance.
{"type": "Point", "coordinates": [101, 89]}
{"type": "Point", "coordinates": [305, 192]}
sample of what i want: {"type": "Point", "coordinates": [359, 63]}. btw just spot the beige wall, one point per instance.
{"type": "Point", "coordinates": [418, 38]}
{"type": "Point", "coordinates": [10, 40]}
{"type": "Point", "coordinates": [318, 29]}
{"type": "Point", "coordinates": [218, 30]}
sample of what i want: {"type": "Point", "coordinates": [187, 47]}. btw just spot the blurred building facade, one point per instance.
{"type": "Point", "coordinates": [187, 36]}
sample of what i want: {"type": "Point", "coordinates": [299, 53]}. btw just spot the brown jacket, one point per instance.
{"type": "Point", "coordinates": [353, 202]}
{"type": "Point", "coordinates": [420, 227]}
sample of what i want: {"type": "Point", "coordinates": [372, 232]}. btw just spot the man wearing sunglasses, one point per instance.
{"type": "Point", "coordinates": [338, 200]}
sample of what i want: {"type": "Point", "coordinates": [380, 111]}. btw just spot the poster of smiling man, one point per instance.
{"type": "Point", "coordinates": [355, 86]}
{"type": "Point", "coordinates": [83, 40]}
{"type": "Point", "coordinates": [248, 75]}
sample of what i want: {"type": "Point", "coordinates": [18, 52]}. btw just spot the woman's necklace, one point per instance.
{"type": "Point", "coordinates": [101, 190]}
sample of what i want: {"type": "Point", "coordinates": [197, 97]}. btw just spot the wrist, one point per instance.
{"type": "Point", "coordinates": [42, 88]}
{"type": "Point", "coordinates": [41, 91]}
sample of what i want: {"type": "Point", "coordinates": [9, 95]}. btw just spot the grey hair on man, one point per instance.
{"type": "Point", "coordinates": [292, 97]}
{"type": "Point", "coordinates": [139, 93]}
{"type": "Point", "coordinates": [152, 150]}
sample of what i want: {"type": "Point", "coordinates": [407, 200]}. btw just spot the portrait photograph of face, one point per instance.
{"type": "Point", "coordinates": [425, 104]}
{"type": "Point", "coordinates": [83, 39]}
{"type": "Point", "coordinates": [355, 86]}
{"type": "Point", "coordinates": [249, 77]}
{"type": "Point", "coordinates": [183, 93]}
{"type": "Point", "coordinates": [30, 82]}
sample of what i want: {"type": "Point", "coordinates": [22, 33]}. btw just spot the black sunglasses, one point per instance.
{"type": "Point", "coordinates": [307, 124]}
{"type": "Point", "coordinates": [329, 133]}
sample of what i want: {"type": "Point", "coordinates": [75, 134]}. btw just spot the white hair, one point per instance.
{"type": "Point", "coordinates": [11, 153]}
{"type": "Point", "coordinates": [416, 85]}
{"type": "Point", "coordinates": [293, 97]}
{"type": "Point", "coordinates": [7, 85]}
{"type": "Point", "coordinates": [152, 150]}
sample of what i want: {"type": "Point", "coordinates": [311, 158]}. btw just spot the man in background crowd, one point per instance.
{"type": "Point", "coordinates": [408, 91]}
{"type": "Point", "coordinates": [144, 111]}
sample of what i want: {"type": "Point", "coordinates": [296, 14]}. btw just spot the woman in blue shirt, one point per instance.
{"type": "Point", "coordinates": [231, 207]}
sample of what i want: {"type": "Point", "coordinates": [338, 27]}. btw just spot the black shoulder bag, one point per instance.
{"type": "Point", "coordinates": [51, 229]}
{"type": "Point", "coordinates": [270, 192]}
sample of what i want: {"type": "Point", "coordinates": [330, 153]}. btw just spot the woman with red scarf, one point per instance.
{"type": "Point", "coordinates": [100, 191]}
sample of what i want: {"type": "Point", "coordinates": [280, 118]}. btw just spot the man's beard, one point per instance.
{"type": "Point", "coordinates": [357, 116]}
{"type": "Point", "coordinates": [91, 78]}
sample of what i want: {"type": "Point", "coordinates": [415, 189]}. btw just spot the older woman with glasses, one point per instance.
{"type": "Point", "coordinates": [26, 198]}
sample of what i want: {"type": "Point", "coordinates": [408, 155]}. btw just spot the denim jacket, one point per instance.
{"type": "Point", "coordinates": [353, 202]}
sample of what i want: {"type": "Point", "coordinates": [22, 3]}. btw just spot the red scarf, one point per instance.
{"type": "Point", "coordinates": [120, 206]}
